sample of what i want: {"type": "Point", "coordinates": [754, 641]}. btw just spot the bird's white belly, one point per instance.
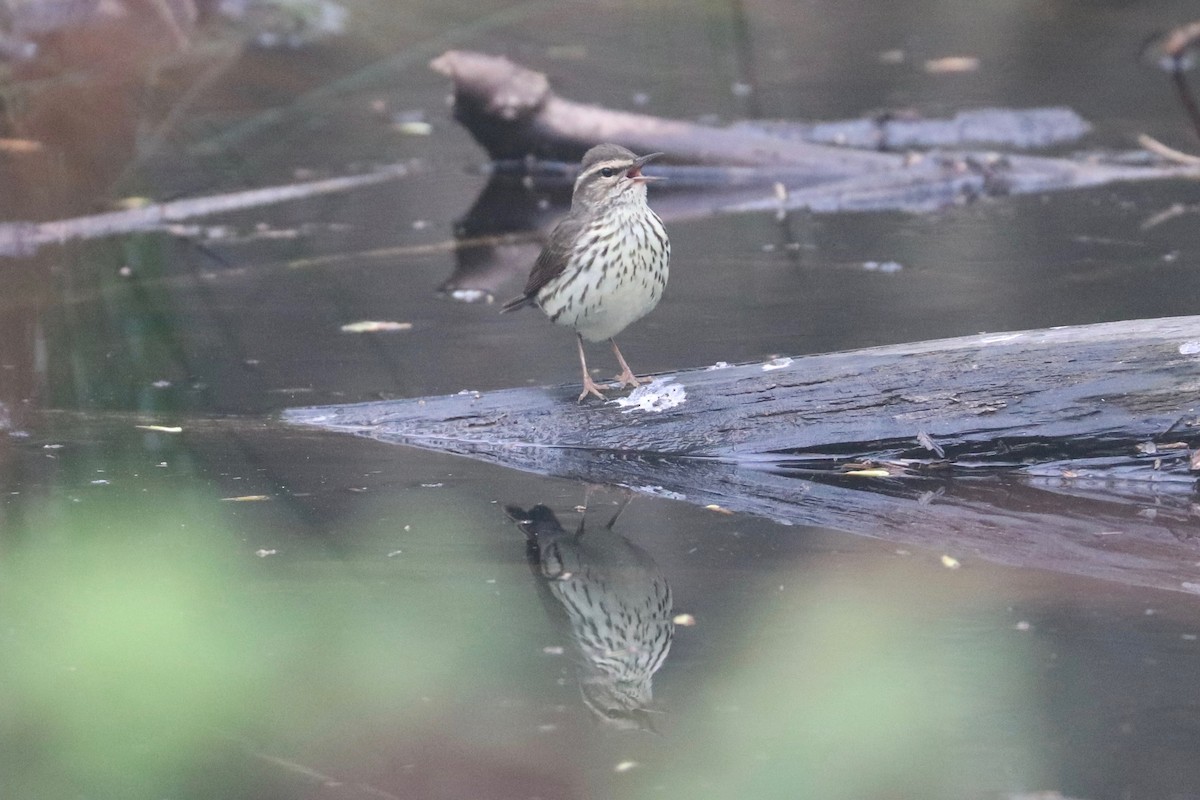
{"type": "Point", "coordinates": [599, 303]}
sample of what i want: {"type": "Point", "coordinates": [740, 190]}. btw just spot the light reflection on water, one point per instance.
{"type": "Point", "coordinates": [370, 625]}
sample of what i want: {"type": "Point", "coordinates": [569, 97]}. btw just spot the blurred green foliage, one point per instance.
{"type": "Point", "coordinates": [141, 636]}
{"type": "Point", "coordinates": [855, 690]}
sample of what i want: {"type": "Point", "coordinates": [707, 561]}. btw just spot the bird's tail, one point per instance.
{"type": "Point", "coordinates": [517, 302]}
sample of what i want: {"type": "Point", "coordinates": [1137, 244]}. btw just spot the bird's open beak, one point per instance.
{"type": "Point", "coordinates": [635, 172]}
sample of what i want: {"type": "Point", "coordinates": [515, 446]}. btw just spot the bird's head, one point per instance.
{"type": "Point", "coordinates": [610, 173]}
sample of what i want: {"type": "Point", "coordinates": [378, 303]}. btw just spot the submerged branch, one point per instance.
{"type": "Point", "coordinates": [21, 239]}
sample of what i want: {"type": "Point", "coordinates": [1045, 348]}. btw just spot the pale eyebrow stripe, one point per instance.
{"type": "Point", "coordinates": [611, 163]}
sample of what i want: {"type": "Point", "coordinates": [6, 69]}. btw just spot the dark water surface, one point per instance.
{"type": "Point", "coordinates": [242, 609]}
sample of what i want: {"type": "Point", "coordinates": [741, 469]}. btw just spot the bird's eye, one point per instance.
{"type": "Point", "coordinates": [608, 172]}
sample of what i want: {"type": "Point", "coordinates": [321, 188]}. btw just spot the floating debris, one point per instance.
{"type": "Point", "coordinates": [951, 64]}
{"type": "Point", "coordinates": [887, 267]}
{"type": "Point", "coordinates": [160, 428]}
{"type": "Point", "coordinates": [411, 123]}
{"type": "Point", "coordinates": [414, 128]}
{"type": "Point", "coordinates": [718, 509]}
{"type": "Point", "coordinates": [625, 766]}
{"type": "Point", "coordinates": [684, 620]}
{"type": "Point", "coordinates": [247, 498]}
{"type": "Point", "coordinates": [467, 295]}
{"type": "Point", "coordinates": [375, 326]}
{"type": "Point", "coordinates": [950, 562]}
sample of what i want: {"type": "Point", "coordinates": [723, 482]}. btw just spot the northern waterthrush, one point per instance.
{"type": "Point", "coordinates": [605, 264]}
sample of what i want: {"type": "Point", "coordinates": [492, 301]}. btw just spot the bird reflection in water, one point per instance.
{"type": "Point", "coordinates": [617, 609]}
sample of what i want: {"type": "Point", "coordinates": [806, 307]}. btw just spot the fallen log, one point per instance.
{"type": "Point", "coordinates": [514, 115]}
{"type": "Point", "coordinates": [1069, 449]}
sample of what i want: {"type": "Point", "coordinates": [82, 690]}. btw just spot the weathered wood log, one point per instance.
{"type": "Point", "coordinates": [512, 112]}
{"type": "Point", "coordinates": [978, 396]}
{"type": "Point", "coordinates": [1066, 448]}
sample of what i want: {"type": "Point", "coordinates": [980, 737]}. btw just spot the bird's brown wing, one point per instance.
{"type": "Point", "coordinates": [550, 262]}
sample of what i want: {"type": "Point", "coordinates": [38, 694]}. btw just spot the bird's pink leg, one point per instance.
{"type": "Point", "coordinates": [626, 378]}
{"type": "Point", "coordinates": [589, 386]}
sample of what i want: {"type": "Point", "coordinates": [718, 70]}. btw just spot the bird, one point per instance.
{"type": "Point", "coordinates": [617, 606]}
{"type": "Point", "coordinates": [606, 262]}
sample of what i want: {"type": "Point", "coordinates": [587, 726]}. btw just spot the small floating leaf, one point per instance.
{"type": "Point", "coordinates": [414, 128]}
{"type": "Point", "coordinates": [20, 146]}
{"type": "Point", "coordinates": [949, 64]}
{"type": "Point", "coordinates": [375, 326]}
{"type": "Point", "coordinates": [160, 428]}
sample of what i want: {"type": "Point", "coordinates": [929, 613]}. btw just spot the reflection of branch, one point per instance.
{"type": "Point", "coordinates": [25, 238]}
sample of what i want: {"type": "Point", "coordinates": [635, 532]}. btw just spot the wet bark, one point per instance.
{"type": "Point", "coordinates": [1067, 449]}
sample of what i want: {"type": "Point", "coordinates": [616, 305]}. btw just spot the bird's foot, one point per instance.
{"type": "Point", "coordinates": [589, 387]}
{"type": "Point", "coordinates": [627, 378]}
